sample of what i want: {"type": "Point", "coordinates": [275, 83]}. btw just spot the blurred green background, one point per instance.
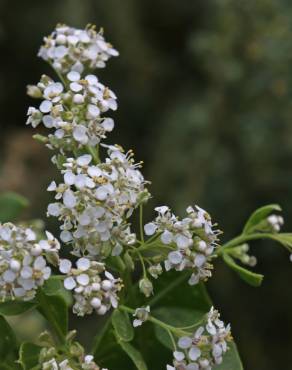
{"type": "Point", "coordinates": [205, 100]}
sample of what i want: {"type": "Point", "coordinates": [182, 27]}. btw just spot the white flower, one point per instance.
{"type": "Point", "coordinates": [80, 123]}
{"type": "Point", "coordinates": [205, 347]}
{"type": "Point", "coordinates": [192, 238]}
{"type": "Point", "coordinates": [95, 202]}
{"type": "Point", "coordinates": [23, 266]}
{"type": "Point", "coordinates": [94, 288]}
{"type": "Point", "coordinates": [70, 49]}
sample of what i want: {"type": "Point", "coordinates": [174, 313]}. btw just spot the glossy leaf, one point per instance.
{"type": "Point", "coordinates": [134, 355]}
{"type": "Point", "coordinates": [12, 308]}
{"type": "Point", "coordinates": [11, 205]}
{"type": "Point", "coordinates": [259, 215]}
{"type": "Point", "coordinates": [122, 325]}
{"type": "Point", "coordinates": [249, 277]}
{"type": "Point", "coordinates": [55, 310]}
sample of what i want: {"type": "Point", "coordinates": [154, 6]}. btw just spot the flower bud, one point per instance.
{"type": "Point", "coordinates": [34, 92]}
{"type": "Point", "coordinates": [146, 287]}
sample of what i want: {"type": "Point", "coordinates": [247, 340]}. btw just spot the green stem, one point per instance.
{"type": "Point", "coordinates": [141, 223]}
{"type": "Point", "coordinates": [241, 239]}
{"type": "Point", "coordinates": [94, 152]}
{"type": "Point", "coordinates": [172, 329]}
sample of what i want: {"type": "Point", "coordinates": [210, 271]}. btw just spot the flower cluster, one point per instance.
{"type": "Point", "coordinates": [68, 48]}
{"type": "Point", "coordinates": [205, 348]}
{"type": "Point", "coordinates": [91, 291]}
{"type": "Point", "coordinates": [51, 359]}
{"type": "Point", "coordinates": [193, 239]}
{"type": "Point", "coordinates": [23, 264]}
{"type": "Point", "coordinates": [74, 113]}
{"type": "Point", "coordinates": [96, 200]}
{"type": "Point", "coordinates": [275, 222]}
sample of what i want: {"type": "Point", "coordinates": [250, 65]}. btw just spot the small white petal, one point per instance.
{"type": "Point", "coordinates": [179, 356]}
{"type": "Point", "coordinates": [54, 209]}
{"type": "Point", "coordinates": [39, 263]}
{"type": "Point", "coordinates": [83, 279]}
{"type": "Point", "coordinates": [73, 76]}
{"type": "Point", "coordinates": [175, 257]}
{"type": "Point", "coordinates": [84, 160]}
{"type": "Point", "coordinates": [184, 342]}
{"type": "Point", "coordinates": [66, 236]}
{"type": "Point", "coordinates": [69, 199]}
{"type": "Point", "coordinates": [69, 178]}
{"type": "Point", "coordinates": [46, 106]}
{"type": "Point", "coordinates": [150, 228]}
{"type": "Point", "coordinates": [69, 283]}
{"type": "Point", "coordinates": [83, 264]}
{"type": "Point", "coordinates": [166, 237]}
{"type": "Point", "coordinates": [194, 353]}
{"type": "Point", "coordinates": [65, 266]}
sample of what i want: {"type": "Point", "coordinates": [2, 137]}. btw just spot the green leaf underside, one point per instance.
{"type": "Point", "coordinates": [29, 355]}
{"type": "Point", "coordinates": [55, 310]}
{"type": "Point", "coordinates": [249, 277]}
{"type": "Point", "coordinates": [259, 215]}
{"type": "Point", "coordinates": [11, 205]}
{"type": "Point", "coordinates": [13, 308]}
{"type": "Point", "coordinates": [134, 355]}
{"type": "Point", "coordinates": [122, 325]}
{"type": "Point", "coordinates": [177, 317]}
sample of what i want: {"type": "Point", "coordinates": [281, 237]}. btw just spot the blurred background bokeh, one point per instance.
{"type": "Point", "coordinates": [205, 99]}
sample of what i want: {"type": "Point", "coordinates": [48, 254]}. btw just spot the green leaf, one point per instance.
{"type": "Point", "coordinates": [55, 310]}
{"type": "Point", "coordinates": [177, 317]}
{"type": "Point", "coordinates": [11, 205]}
{"type": "Point", "coordinates": [29, 355]}
{"type": "Point", "coordinates": [8, 344]}
{"type": "Point", "coordinates": [259, 215]}
{"type": "Point", "coordinates": [12, 308]}
{"type": "Point", "coordinates": [172, 290]}
{"type": "Point", "coordinates": [231, 359]}
{"type": "Point", "coordinates": [134, 355]}
{"type": "Point", "coordinates": [249, 277]}
{"type": "Point", "coordinates": [55, 286]}
{"type": "Point", "coordinates": [122, 325]}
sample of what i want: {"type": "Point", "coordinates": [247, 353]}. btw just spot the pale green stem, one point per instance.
{"type": "Point", "coordinates": [141, 223]}
{"type": "Point", "coordinates": [240, 240]}
{"type": "Point", "coordinates": [177, 331]}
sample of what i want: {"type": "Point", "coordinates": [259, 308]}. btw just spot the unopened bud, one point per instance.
{"type": "Point", "coordinates": [146, 287]}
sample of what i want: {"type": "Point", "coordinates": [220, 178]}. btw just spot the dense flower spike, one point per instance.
{"type": "Point", "coordinates": [68, 48]}
{"type": "Point", "coordinates": [193, 239]}
{"type": "Point", "coordinates": [205, 348]}
{"type": "Point", "coordinates": [94, 288]}
{"type": "Point", "coordinates": [74, 112]}
{"type": "Point", "coordinates": [95, 201]}
{"type": "Point", "coordinates": [23, 264]}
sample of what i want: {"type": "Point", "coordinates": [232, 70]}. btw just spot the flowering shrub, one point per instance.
{"type": "Point", "coordinates": [153, 280]}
